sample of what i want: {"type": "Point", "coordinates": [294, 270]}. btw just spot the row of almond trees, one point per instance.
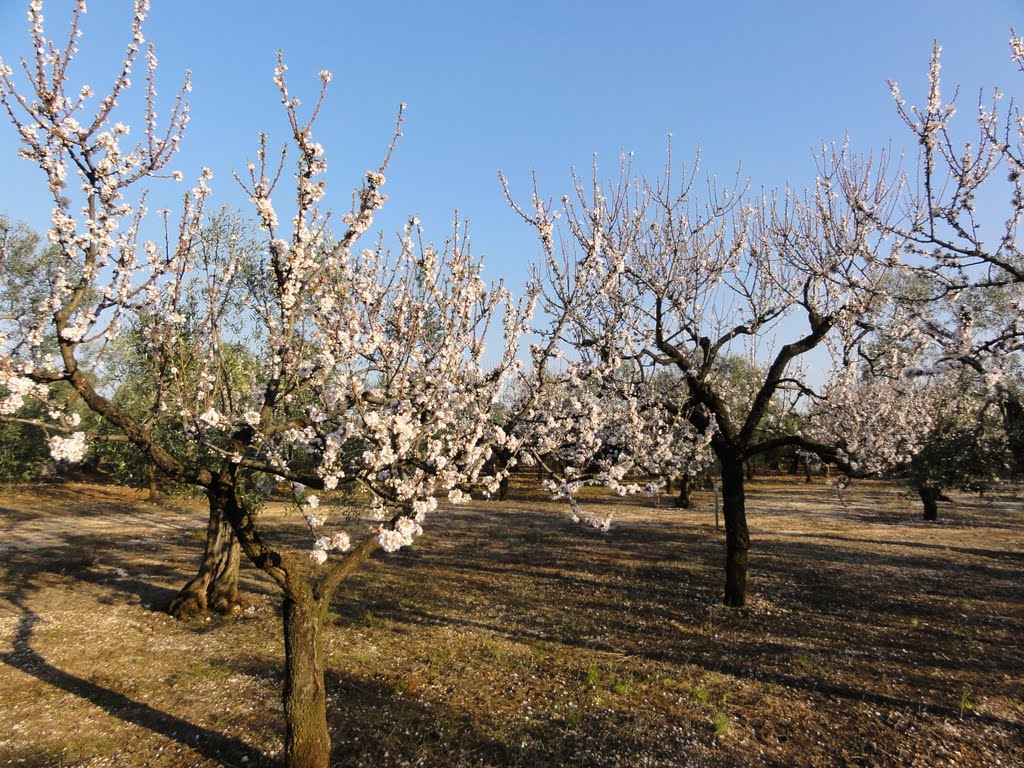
{"type": "Point", "coordinates": [368, 368]}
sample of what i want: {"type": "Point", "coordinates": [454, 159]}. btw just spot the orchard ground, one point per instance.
{"type": "Point", "coordinates": [508, 636]}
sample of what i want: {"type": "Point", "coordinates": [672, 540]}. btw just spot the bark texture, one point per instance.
{"type": "Point", "coordinates": [737, 535]}
{"type": "Point", "coordinates": [683, 500]}
{"type": "Point", "coordinates": [307, 739]}
{"type": "Point", "coordinates": [215, 586]}
{"type": "Point", "coordinates": [930, 496]}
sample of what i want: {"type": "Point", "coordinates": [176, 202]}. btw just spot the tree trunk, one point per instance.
{"type": "Point", "coordinates": [930, 498]}
{"type": "Point", "coordinates": [683, 501]}
{"type": "Point", "coordinates": [154, 489]}
{"type": "Point", "coordinates": [307, 739]}
{"type": "Point", "coordinates": [749, 466]}
{"type": "Point", "coordinates": [737, 536]}
{"type": "Point", "coordinates": [215, 587]}
{"type": "Point", "coordinates": [1013, 424]}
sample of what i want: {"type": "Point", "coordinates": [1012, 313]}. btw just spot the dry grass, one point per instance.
{"type": "Point", "coordinates": [508, 636]}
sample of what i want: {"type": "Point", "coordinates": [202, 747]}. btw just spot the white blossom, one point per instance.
{"type": "Point", "coordinates": [71, 449]}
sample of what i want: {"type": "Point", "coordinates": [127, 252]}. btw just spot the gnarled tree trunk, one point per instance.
{"type": "Point", "coordinates": [683, 500]}
{"type": "Point", "coordinates": [930, 497]}
{"type": "Point", "coordinates": [1013, 423]}
{"type": "Point", "coordinates": [305, 603]}
{"type": "Point", "coordinates": [215, 587]}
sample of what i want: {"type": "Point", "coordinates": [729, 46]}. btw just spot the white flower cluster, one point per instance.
{"type": "Point", "coordinates": [368, 365]}
{"type": "Point", "coordinates": [402, 535]}
{"type": "Point", "coordinates": [600, 422]}
{"type": "Point", "coordinates": [18, 389]}
{"type": "Point", "coordinates": [877, 423]}
{"type": "Point", "coordinates": [339, 542]}
{"type": "Point", "coordinates": [68, 449]}
{"type": "Point", "coordinates": [210, 417]}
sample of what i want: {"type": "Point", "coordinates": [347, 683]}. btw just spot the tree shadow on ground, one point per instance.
{"type": "Point", "coordinates": [761, 663]}
{"type": "Point", "coordinates": [827, 593]}
{"type": "Point", "coordinates": [994, 554]}
{"type": "Point", "coordinates": [230, 751]}
{"type": "Point", "coordinates": [373, 723]}
{"type": "Point", "coordinates": [134, 569]}
{"type": "Point", "coordinates": [377, 720]}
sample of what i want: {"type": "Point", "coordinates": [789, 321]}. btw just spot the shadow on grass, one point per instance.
{"type": "Point", "coordinates": [227, 750]}
{"type": "Point", "coordinates": [847, 607]}
{"type": "Point", "coordinates": [376, 721]}
{"type": "Point", "coordinates": [92, 560]}
{"type": "Point", "coordinates": [992, 554]}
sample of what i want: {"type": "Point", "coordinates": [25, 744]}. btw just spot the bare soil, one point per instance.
{"type": "Point", "coordinates": [508, 636]}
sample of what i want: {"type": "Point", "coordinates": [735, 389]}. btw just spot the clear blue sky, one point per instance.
{"type": "Point", "coordinates": [528, 85]}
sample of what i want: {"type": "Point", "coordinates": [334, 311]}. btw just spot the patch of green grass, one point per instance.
{"type": "Point", "coordinates": [803, 659]}
{"type": "Point", "coordinates": [209, 670]}
{"type": "Point", "coordinates": [358, 659]}
{"type": "Point", "coordinates": [700, 692]}
{"type": "Point", "coordinates": [967, 702]}
{"type": "Point", "coordinates": [608, 679]}
{"type": "Point", "coordinates": [622, 685]}
{"type": "Point", "coordinates": [538, 655]}
{"type": "Point", "coordinates": [439, 661]}
{"type": "Point", "coordinates": [720, 722]}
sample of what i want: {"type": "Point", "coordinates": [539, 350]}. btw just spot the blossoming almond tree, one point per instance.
{"type": "Point", "coordinates": [684, 282]}
{"type": "Point", "coordinates": [587, 413]}
{"type": "Point", "coordinates": [369, 365]}
{"type": "Point", "coordinates": [939, 431]}
{"type": "Point", "coordinates": [969, 271]}
{"type": "Point", "coordinates": [589, 425]}
{"type": "Point", "coordinates": [102, 278]}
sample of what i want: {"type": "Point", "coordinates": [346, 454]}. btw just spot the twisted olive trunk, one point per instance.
{"type": "Point", "coordinates": [151, 483]}
{"type": "Point", "coordinates": [683, 501]}
{"type": "Point", "coordinates": [930, 497]}
{"type": "Point", "coordinates": [215, 587]}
